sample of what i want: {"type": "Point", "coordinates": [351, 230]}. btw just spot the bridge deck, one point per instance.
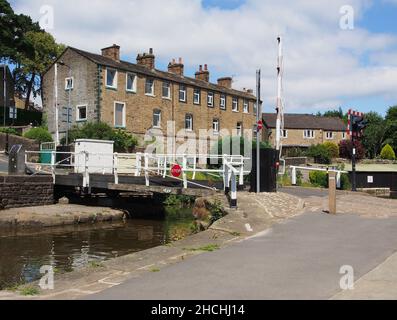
{"type": "Point", "coordinates": [129, 183]}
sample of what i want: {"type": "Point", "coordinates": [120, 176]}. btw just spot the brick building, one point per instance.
{"type": "Point", "coordinates": [138, 97]}
{"type": "Point", "coordinates": [303, 130]}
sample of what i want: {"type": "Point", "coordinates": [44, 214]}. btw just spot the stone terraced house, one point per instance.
{"type": "Point", "coordinates": [138, 97]}
{"type": "Point", "coordinates": [303, 130]}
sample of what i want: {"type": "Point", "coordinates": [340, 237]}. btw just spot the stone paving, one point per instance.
{"type": "Point", "coordinates": [255, 213]}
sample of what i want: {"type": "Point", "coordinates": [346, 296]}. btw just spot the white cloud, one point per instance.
{"type": "Point", "coordinates": [323, 64]}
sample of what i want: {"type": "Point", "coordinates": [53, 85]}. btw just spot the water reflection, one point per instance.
{"type": "Point", "coordinates": [23, 252]}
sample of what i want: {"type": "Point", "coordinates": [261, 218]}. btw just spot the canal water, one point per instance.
{"type": "Point", "coordinates": [23, 252]}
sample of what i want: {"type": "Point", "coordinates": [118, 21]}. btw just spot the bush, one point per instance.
{"type": "Point", "coordinates": [10, 131]}
{"type": "Point", "coordinates": [333, 149]}
{"type": "Point", "coordinates": [319, 179]}
{"type": "Point", "coordinates": [320, 153]}
{"type": "Point", "coordinates": [39, 134]}
{"type": "Point", "coordinates": [123, 141]}
{"type": "Point", "coordinates": [346, 149]}
{"type": "Point", "coordinates": [345, 183]}
{"type": "Point", "coordinates": [387, 153]}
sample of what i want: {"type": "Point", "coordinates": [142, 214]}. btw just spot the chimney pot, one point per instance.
{"type": "Point", "coordinates": [146, 60]}
{"type": "Point", "coordinates": [206, 67]}
{"type": "Point", "coordinates": [151, 50]}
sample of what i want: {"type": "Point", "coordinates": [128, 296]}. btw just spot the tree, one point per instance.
{"type": "Point", "coordinates": [391, 124]}
{"type": "Point", "coordinates": [346, 149]}
{"type": "Point", "coordinates": [374, 134]}
{"type": "Point", "coordinates": [388, 153]}
{"type": "Point", "coordinates": [44, 51]}
{"type": "Point", "coordinates": [334, 113]}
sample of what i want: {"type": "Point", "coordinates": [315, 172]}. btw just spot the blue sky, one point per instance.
{"type": "Point", "coordinates": [325, 66]}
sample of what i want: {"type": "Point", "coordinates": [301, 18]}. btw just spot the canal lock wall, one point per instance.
{"type": "Point", "coordinates": [26, 191]}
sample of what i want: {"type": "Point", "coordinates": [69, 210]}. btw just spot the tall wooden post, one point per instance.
{"type": "Point", "coordinates": [332, 192]}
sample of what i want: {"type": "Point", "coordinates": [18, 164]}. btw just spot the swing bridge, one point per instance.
{"type": "Point", "coordinates": [92, 172]}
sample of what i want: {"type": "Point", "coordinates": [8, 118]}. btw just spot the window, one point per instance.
{"type": "Point", "coordinates": [308, 134]}
{"type": "Point", "coordinates": [210, 99]}
{"type": "Point", "coordinates": [239, 129]}
{"type": "Point", "coordinates": [81, 113]}
{"type": "Point", "coordinates": [222, 102]}
{"type": "Point", "coordinates": [131, 82]}
{"type": "Point", "coordinates": [111, 78]}
{"type": "Point", "coordinates": [329, 135]}
{"type": "Point", "coordinates": [166, 90]}
{"type": "Point", "coordinates": [157, 118]}
{"type": "Point", "coordinates": [246, 106]}
{"type": "Point", "coordinates": [69, 83]}
{"type": "Point", "coordinates": [235, 105]}
{"type": "Point", "coordinates": [284, 134]}
{"type": "Point", "coordinates": [196, 96]}
{"type": "Point", "coordinates": [189, 122]}
{"type": "Point", "coordinates": [182, 93]}
{"type": "Point", "coordinates": [119, 114]}
{"type": "Point", "coordinates": [149, 87]}
{"type": "Point", "coordinates": [344, 135]}
{"type": "Point", "coordinates": [215, 126]}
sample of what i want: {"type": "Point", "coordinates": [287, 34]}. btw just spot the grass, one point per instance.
{"type": "Point", "coordinates": [154, 269]}
{"type": "Point", "coordinates": [207, 248]}
{"type": "Point", "coordinates": [95, 264]}
{"type": "Point", "coordinates": [29, 291]}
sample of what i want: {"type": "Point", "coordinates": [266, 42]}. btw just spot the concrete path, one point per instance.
{"type": "Point", "coordinates": [298, 259]}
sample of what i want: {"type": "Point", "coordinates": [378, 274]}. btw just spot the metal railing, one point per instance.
{"type": "Point", "coordinates": [295, 168]}
{"type": "Point", "coordinates": [229, 167]}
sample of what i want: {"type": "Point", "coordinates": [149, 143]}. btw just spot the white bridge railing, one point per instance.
{"type": "Point", "coordinates": [228, 167]}
{"type": "Point", "coordinates": [295, 168]}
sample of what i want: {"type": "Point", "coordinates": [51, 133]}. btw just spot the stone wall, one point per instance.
{"type": "Point", "coordinates": [28, 144]}
{"type": "Point", "coordinates": [25, 191]}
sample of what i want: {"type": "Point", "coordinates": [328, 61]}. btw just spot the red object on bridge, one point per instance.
{"type": "Point", "coordinates": [260, 125]}
{"type": "Point", "coordinates": [176, 170]}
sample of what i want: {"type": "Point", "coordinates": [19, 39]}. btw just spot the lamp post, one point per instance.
{"type": "Point", "coordinates": [5, 93]}
{"type": "Point", "coordinates": [68, 108]}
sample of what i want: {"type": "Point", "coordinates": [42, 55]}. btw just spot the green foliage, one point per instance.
{"type": "Point", "coordinates": [216, 210]}
{"type": "Point", "coordinates": [29, 291]}
{"type": "Point", "coordinates": [346, 149]}
{"type": "Point", "coordinates": [387, 153]}
{"type": "Point", "coordinates": [294, 152]}
{"type": "Point", "coordinates": [299, 178]}
{"type": "Point", "coordinates": [123, 141]}
{"type": "Point", "coordinates": [178, 200]}
{"type": "Point", "coordinates": [39, 134]}
{"type": "Point", "coordinates": [320, 153]}
{"type": "Point", "coordinates": [374, 134]}
{"type": "Point", "coordinates": [319, 179]}
{"type": "Point", "coordinates": [345, 182]}
{"type": "Point", "coordinates": [10, 131]}
{"type": "Point", "coordinates": [208, 248]}
{"type": "Point", "coordinates": [332, 148]}
{"type": "Point", "coordinates": [284, 180]}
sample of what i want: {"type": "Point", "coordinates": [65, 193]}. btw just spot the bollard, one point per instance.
{"type": "Point", "coordinates": [332, 192]}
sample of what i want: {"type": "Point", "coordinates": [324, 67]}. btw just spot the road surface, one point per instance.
{"type": "Point", "coordinates": [299, 259]}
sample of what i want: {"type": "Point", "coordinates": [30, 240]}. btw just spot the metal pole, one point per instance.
{"type": "Point", "coordinates": [5, 94]}
{"type": "Point", "coordinates": [279, 86]}
{"type": "Point", "coordinates": [56, 105]}
{"type": "Point", "coordinates": [354, 184]}
{"type": "Point", "coordinates": [69, 108]}
{"type": "Point", "coordinates": [258, 118]}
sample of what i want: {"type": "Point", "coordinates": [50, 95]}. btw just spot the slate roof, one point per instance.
{"type": "Point", "coordinates": [305, 121]}
{"type": "Point", "coordinates": [132, 67]}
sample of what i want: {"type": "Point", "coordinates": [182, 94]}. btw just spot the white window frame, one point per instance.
{"type": "Point", "coordinates": [134, 84]}
{"type": "Point", "coordinates": [159, 118]}
{"type": "Point", "coordinates": [327, 135]}
{"type": "Point", "coordinates": [215, 126]}
{"type": "Point", "coordinates": [246, 106]}
{"type": "Point", "coordinates": [284, 133]}
{"type": "Point", "coordinates": [184, 91]}
{"type": "Point", "coordinates": [210, 99]}
{"type": "Point", "coordinates": [151, 94]}
{"type": "Point", "coordinates": [196, 94]}
{"type": "Point", "coordinates": [309, 136]}
{"type": "Point", "coordinates": [169, 90]}
{"type": "Point", "coordinates": [66, 83]}
{"type": "Point", "coordinates": [222, 99]}
{"type": "Point", "coordinates": [235, 104]}
{"type": "Point", "coordinates": [191, 122]}
{"type": "Point", "coordinates": [78, 107]}
{"type": "Point", "coordinates": [114, 85]}
{"type": "Point", "coordinates": [239, 129]}
{"type": "Point", "coordinates": [124, 114]}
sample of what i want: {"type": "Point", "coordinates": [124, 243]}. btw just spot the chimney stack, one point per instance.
{"type": "Point", "coordinates": [112, 52]}
{"type": "Point", "coordinates": [203, 75]}
{"type": "Point", "coordinates": [146, 60]}
{"type": "Point", "coordinates": [176, 67]}
{"type": "Point", "coordinates": [225, 82]}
